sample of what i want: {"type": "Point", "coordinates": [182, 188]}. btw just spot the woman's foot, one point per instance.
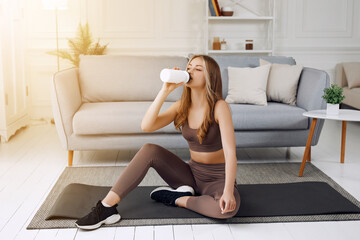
{"type": "Point", "coordinates": [98, 216]}
{"type": "Point", "coordinates": [169, 195]}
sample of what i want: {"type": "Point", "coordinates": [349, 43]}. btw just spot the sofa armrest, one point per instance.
{"type": "Point", "coordinates": [66, 100]}
{"type": "Point", "coordinates": [340, 77]}
{"type": "Point", "coordinates": [311, 88]}
{"type": "Point", "coordinates": [309, 96]}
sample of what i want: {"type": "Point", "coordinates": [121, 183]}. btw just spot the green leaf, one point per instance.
{"type": "Point", "coordinates": [333, 94]}
{"type": "Point", "coordinates": [81, 44]}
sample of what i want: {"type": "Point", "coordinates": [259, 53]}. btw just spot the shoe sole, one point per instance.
{"type": "Point", "coordinates": [179, 189]}
{"type": "Point", "coordinates": [110, 220]}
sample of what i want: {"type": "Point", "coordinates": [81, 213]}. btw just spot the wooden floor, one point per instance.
{"type": "Point", "coordinates": [33, 159]}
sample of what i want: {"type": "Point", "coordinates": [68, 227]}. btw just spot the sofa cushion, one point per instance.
{"type": "Point", "coordinates": [114, 118]}
{"type": "Point", "coordinates": [352, 72]}
{"type": "Point", "coordinates": [352, 97]}
{"type": "Point", "coordinates": [226, 61]}
{"type": "Point", "coordinates": [110, 78]}
{"type": "Point", "coordinates": [248, 85]}
{"type": "Point", "coordinates": [282, 82]}
{"type": "Point", "coordinates": [126, 117]}
{"type": "Point", "coordinates": [274, 116]}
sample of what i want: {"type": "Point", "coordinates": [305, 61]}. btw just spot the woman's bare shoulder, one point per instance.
{"type": "Point", "coordinates": [221, 109]}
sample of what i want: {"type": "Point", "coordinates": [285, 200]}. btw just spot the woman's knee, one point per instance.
{"type": "Point", "coordinates": [150, 152]}
{"type": "Point", "coordinates": [227, 215]}
{"type": "Point", "coordinates": [150, 148]}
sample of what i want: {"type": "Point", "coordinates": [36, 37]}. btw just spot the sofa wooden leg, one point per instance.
{"type": "Point", "coordinates": [70, 158]}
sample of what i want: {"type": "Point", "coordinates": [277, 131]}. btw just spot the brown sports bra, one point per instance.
{"type": "Point", "coordinates": [211, 142]}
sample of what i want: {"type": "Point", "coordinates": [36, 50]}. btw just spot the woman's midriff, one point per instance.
{"type": "Point", "coordinates": [208, 157]}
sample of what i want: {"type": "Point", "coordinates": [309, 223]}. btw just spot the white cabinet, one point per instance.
{"type": "Point", "coordinates": [13, 87]}
{"type": "Point", "coordinates": [242, 26]}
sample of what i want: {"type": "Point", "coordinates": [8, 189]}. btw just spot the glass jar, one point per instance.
{"type": "Point", "coordinates": [216, 43]}
{"type": "Point", "coordinates": [223, 45]}
{"type": "Point", "coordinates": [249, 44]}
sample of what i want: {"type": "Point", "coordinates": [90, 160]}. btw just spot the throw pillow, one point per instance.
{"type": "Point", "coordinates": [352, 73]}
{"type": "Point", "coordinates": [283, 82]}
{"type": "Point", "coordinates": [248, 85]}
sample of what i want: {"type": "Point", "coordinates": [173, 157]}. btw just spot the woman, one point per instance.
{"type": "Point", "coordinates": [204, 119]}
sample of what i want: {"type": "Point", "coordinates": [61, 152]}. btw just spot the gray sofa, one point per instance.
{"type": "Point", "coordinates": [100, 105]}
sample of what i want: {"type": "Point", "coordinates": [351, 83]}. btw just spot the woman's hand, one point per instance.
{"type": "Point", "coordinates": [227, 202]}
{"type": "Point", "coordinates": [169, 87]}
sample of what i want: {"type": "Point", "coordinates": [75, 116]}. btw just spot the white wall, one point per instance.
{"type": "Point", "coordinates": [317, 33]}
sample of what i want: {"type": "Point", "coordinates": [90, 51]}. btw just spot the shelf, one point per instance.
{"type": "Point", "coordinates": [241, 18]}
{"type": "Point", "coordinates": [230, 27]}
{"type": "Point", "coordinates": [238, 51]}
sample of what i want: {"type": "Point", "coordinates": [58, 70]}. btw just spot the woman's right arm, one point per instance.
{"type": "Point", "coordinates": [152, 120]}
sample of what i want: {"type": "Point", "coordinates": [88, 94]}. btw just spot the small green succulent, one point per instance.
{"type": "Point", "coordinates": [333, 94]}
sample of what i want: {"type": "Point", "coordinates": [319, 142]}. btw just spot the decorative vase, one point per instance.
{"type": "Point", "coordinates": [332, 109]}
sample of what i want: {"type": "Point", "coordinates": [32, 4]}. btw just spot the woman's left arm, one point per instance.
{"type": "Point", "coordinates": [223, 114]}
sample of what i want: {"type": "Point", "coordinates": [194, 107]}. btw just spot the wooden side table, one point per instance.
{"type": "Point", "coordinates": [344, 115]}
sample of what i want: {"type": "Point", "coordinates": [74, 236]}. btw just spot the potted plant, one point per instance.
{"type": "Point", "coordinates": [81, 44]}
{"type": "Point", "coordinates": [333, 96]}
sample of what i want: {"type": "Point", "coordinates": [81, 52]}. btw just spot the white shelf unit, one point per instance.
{"type": "Point", "coordinates": [240, 18]}
{"type": "Point", "coordinates": [268, 20]}
{"type": "Point", "coordinates": [239, 51]}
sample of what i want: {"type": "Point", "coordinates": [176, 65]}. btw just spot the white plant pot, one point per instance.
{"type": "Point", "coordinates": [332, 109]}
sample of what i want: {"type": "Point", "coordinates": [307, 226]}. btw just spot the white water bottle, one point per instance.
{"type": "Point", "coordinates": [174, 76]}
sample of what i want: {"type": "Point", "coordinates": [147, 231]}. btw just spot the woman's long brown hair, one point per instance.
{"type": "Point", "coordinates": [213, 87]}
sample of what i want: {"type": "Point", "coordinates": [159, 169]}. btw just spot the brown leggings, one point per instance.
{"type": "Point", "coordinates": [208, 180]}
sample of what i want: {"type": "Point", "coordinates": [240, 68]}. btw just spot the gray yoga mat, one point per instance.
{"type": "Point", "coordinates": [249, 173]}
{"type": "Point", "coordinates": [257, 200]}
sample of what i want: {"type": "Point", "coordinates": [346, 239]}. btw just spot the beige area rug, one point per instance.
{"type": "Point", "coordinates": [257, 173]}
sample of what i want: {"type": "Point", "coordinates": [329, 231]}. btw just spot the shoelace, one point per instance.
{"type": "Point", "coordinates": [97, 211]}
